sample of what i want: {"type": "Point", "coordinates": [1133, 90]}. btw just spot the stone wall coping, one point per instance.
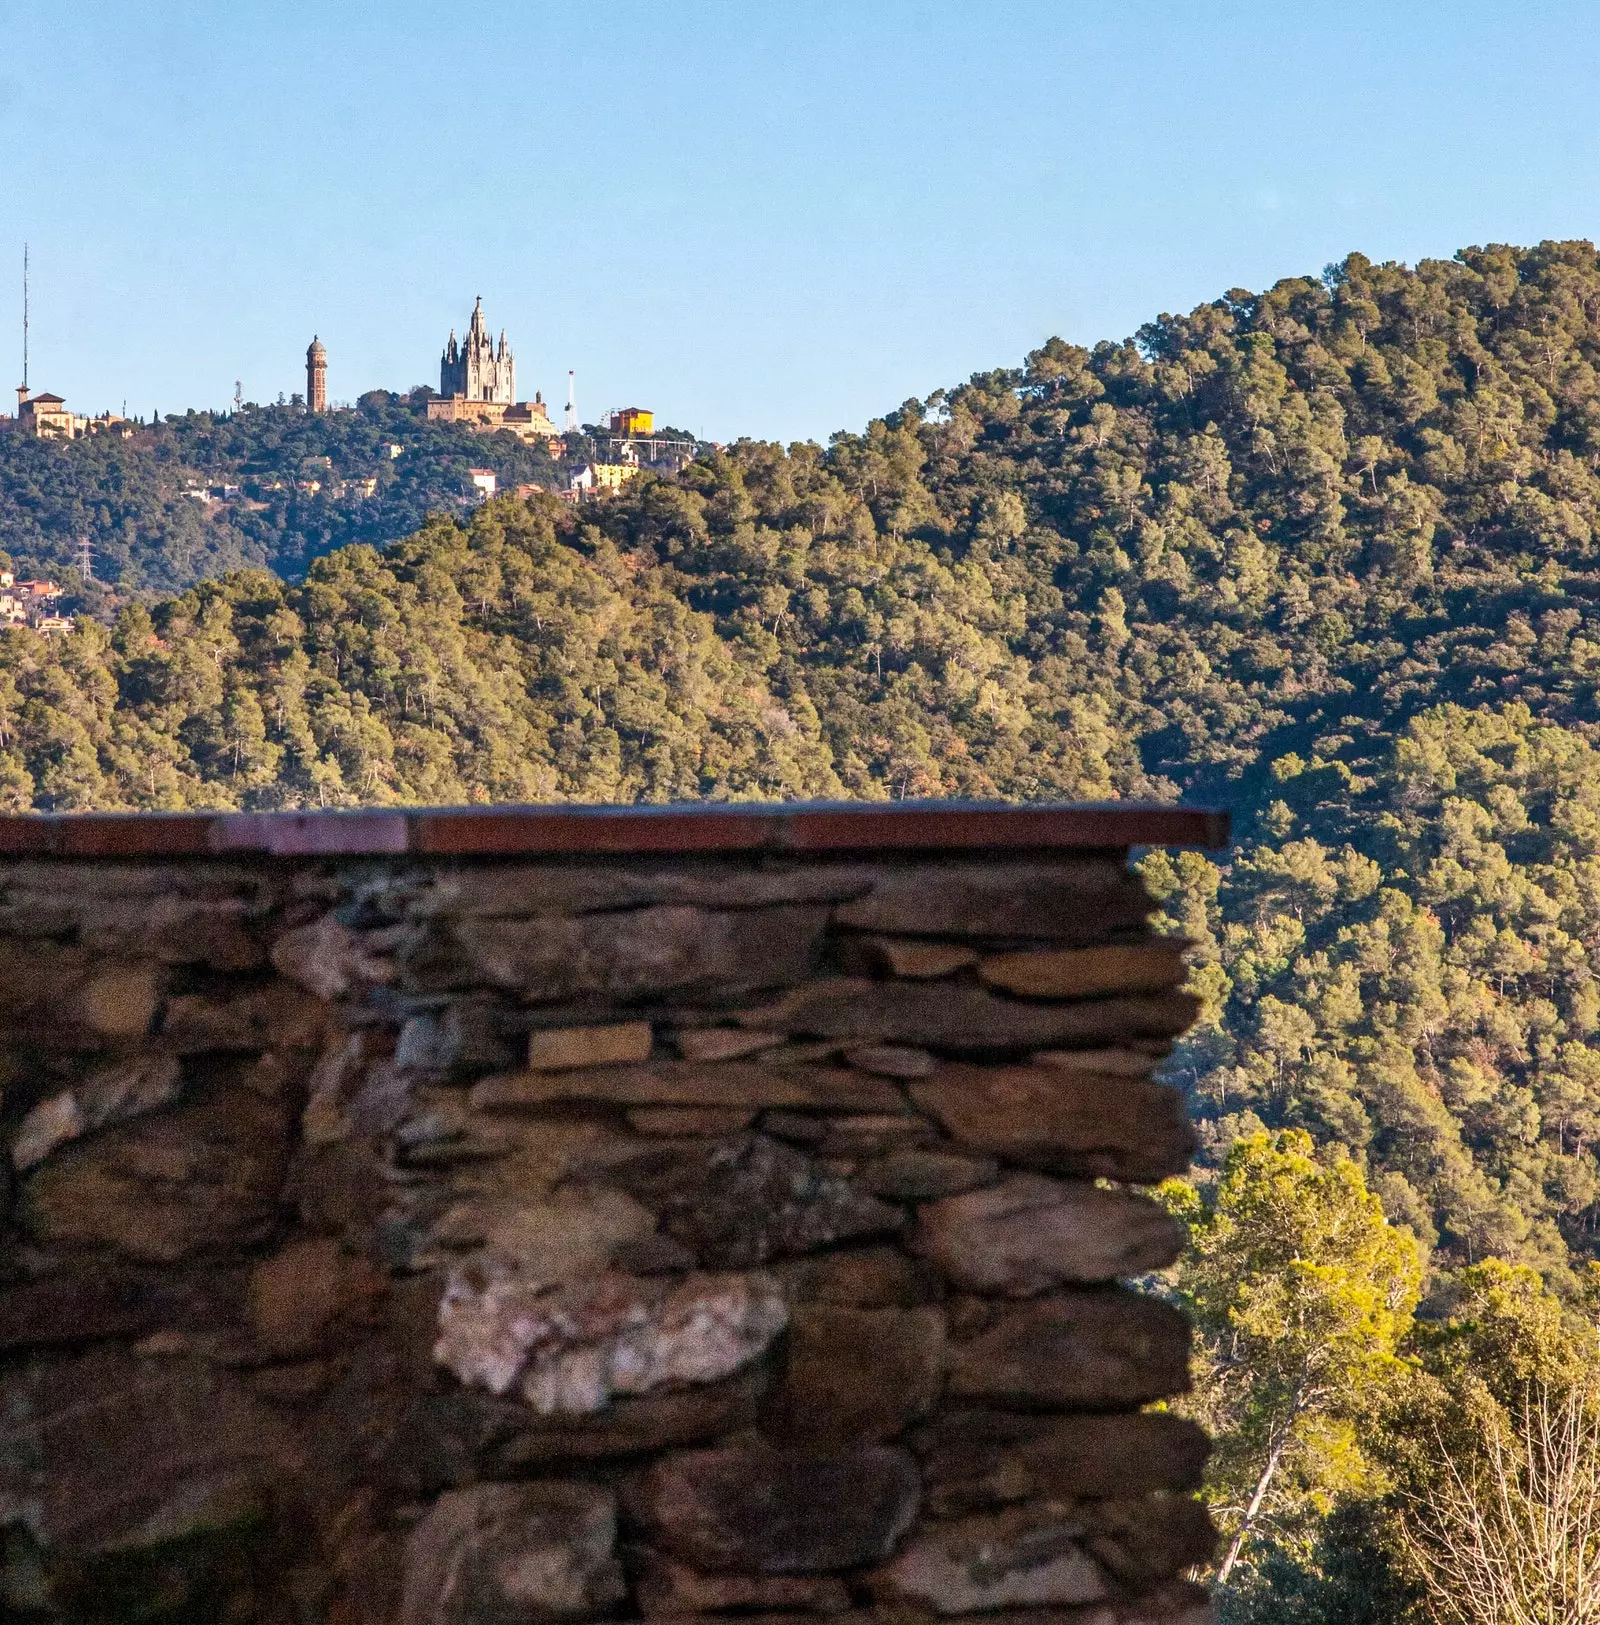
{"type": "Point", "coordinates": [705, 827]}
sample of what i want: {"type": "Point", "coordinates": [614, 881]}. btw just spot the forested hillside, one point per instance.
{"type": "Point", "coordinates": [1328, 554]}
{"type": "Point", "coordinates": [190, 496]}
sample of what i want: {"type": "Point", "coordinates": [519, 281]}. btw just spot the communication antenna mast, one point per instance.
{"type": "Point", "coordinates": [22, 389]}
{"type": "Point", "coordinates": [86, 558]}
{"type": "Point", "coordinates": [238, 394]}
{"type": "Point", "coordinates": [571, 422]}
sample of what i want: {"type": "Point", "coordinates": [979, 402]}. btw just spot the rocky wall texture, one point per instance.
{"type": "Point", "coordinates": [387, 1240]}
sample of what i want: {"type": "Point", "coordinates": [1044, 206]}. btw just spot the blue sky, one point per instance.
{"type": "Point", "coordinates": [764, 219]}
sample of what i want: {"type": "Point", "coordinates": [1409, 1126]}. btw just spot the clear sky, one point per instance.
{"type": "Point", "coordinates": [754, 218]}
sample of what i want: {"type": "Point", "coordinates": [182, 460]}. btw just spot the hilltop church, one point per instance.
{"type": "Point", "coordinates": [478, 386]}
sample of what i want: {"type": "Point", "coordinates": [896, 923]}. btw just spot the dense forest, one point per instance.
{"type": "Point", "coordinates": [1328, 554]}
{"type": "Point", "coordinates": [187, 497]}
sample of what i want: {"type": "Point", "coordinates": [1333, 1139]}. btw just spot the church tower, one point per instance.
{"type": "Point", "coordinates": [316, 376]}
{"type": "Point", "coordinates": [475, 370]}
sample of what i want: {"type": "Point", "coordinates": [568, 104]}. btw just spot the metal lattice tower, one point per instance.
{"type": "Point", "coordinates": [570, 423]}
{"type": "Point", "coordinates": [86, 558]}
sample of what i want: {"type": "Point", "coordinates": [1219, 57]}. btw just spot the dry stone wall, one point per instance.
{"type": "Point", "coordinates": [441, 1241]}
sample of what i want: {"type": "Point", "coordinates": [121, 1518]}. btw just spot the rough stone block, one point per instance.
{"type": "Point", "coordinates": [118, 1000]}
{"type": "Point", "coordinates": [877, 1277]}
{"type": "Point", "coordinates": [908, 957]}
{"type": "Point", "coordinates": [335, 1082]}
{"type": "Point", "coordinates": [863, 1135]}
{"type": "Point", "coordinates": [212, 931]}
{"type": "Point", "coordinates": [299, 1296]}
{"type": "Point", "coordinates": [1028, 1557]}
{"type": "Point", "coordinates": [644, 953]}
{"type": "Point", "coordinates": [1086, 973]}
{"type": "Point", "coordinates": [1106, 1350]}
{"type": "Point", "coordinates": [1028, 1234]}
{"type": "Point", "coordinates": [858, 1374]}
{"type": "Point", "coordinates": [113, 1094]}
{"type": "Point", "coordinates": [747, 1199]}
{"type": "Point", "coordinates": [198, 1179]}
{"type": "Point", "coordinates": [708, 1121]}
{"type": "Point", "coordinates": [91, 1306]}
{"type": "Point", "coordinates": [1068, 1122]}
{"type": "Point", "coordinates": [727, 1084]}
{"type": "Point", "coordinates": [513, 890]}
{"type": "Point", "coordinates": [329, 959]}
{"type": "Point", "coordinates": [973, 1460]}
{"type": "Point", "coordinates": [498, 1553]}
{"type": "Point", "coordinates": [667, 1588]}
{"type": "Point", "coordinates": [723, 1043]}
{"type": "Point", "coordinates": [565, 1236]}
{"type": "Point", "coordinates": [632, 1426]}
{"type": "Point", "coordinates": [1135, 1060]}
{"type": "Point", "coordinates": [1178, 1602]}
{"type": "Point", "coordinates": [569, 1350]}
{"type": "Point", "coordinates": [925, 1176]}
{"type": "Point", "coordinates": [108, 1451]}
{"type": "Point", "coordinates": [1145, 1541]}
{"type": "Point", "coordinates": [37, 976]}
{"type": "Point", "coordinates": [771, 1511]}
{"type": "Point", "coordinates": [969, 1018]}
{"type": "Point", "coordinates": [891, 1060]}
{"type": "Point", "coordinates": [1070, 900]}
{"type": "Point", "coordinates": [269, 1016]}
{"type": "Point", "coordinates": [556, 1049]}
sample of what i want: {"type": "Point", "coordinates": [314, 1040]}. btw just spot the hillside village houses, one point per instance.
{"type": "Point", "coordinates": [31, 603]}
{"type": "Point", "coordinates": [47, 417]}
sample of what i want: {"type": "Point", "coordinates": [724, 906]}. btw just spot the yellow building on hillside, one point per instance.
{"type": "Point", "coordinates": [633, 420]}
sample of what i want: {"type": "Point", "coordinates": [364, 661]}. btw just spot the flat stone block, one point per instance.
{"type": "Point", "coordinates": [1025, 1558]}
{"type": "Point", "coordinates": [1073, 900]}
{"type": "Point", "coordinates": [1106, 1350]}
{"type": "Point", "coordinates": [667, 1588]}
{"type": "Point", "coordinates": [708, 1121]}
{"type": "Point", "coordinates": [1028, 1234]}
{"type": "Point", "coordinates": [891, 1060]}
{"type": "Point", "coordinates": [723, 1043]}
{"type": "Point", "coordinates": [1062, 1121]}
{"type": "Point", "coordinates": [504, 1552]}
{"type": "Point", "coordinates": [1086, 973]}
{"type": "Point", "coordinates": [858, 1374]}
{"type": "Point", "coordinates": [970, 1018]}
{"type": "Point", "coordinates": [748, 1199]}
{"type": "Point", "coordinates": [731, 1084]}
{"type": "Point", "coordinates": [972, 1460]}
{"type": "Point", "coordinates": [197, 1179]}
{"type": "Point", "coordinates": [643, 953]}
{"type": "Point", "coordinates": [555, 1049]}
{"type": "Point", "coordinates": [925, 1176]}
{"type": "Point", "coordinates": [912, 958]}
{"type": "Point", "coordinates": [512, 890]}
{"type": "Point", "coordinates": [769, 1511]}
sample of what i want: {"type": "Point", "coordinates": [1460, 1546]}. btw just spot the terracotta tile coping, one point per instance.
{"type": "Point", "coordinates": [703, 827]}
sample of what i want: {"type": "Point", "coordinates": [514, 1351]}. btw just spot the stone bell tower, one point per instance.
{"type": "Point", "coordinates": [316, 376]}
